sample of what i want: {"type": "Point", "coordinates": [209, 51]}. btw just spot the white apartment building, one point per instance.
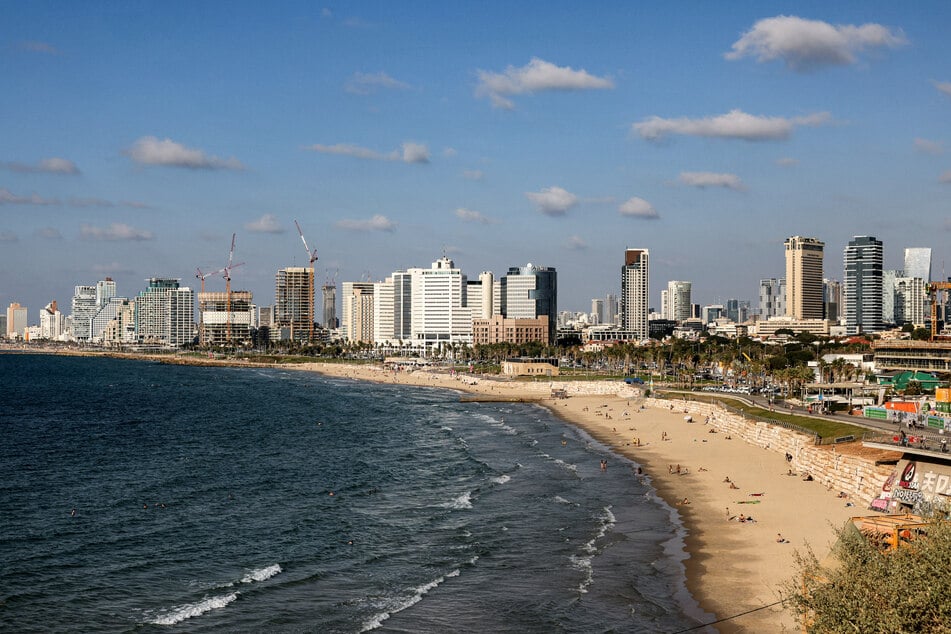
{"type": "Point", "coordinates": [635, 291]}
{"type": "Point", "coordinates": [439, 315]}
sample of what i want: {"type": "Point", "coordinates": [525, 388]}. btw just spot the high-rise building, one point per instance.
{"type": "Point", "coordinates": [530, 292]}
{"type": "Point", "coordinates": [678, 301]}
{"type": "Point", "coordinates": [480, 297]}
{"type": "Point", "coordinates": [105, 290]}
{"type": "Point", "coordinates": [330, 306]}
{"type": "Point", "coordinates": [356, 308]}
{"type": "Point", "coordinates": [610, 309]}
{"type": "Point", "coordinates": [292, 295]}
{"type": "Point", "coordinates": [635, 291]}
{"type": "Point", "coordinates": [597, 311]}
{"type": "Point", "coordinates": [772, 298]}
{"type": "Point", "coordinates": [862, 286]}
{"type": "Point", "coordinates": [52, 322]}
{"type": "Point", "coordinates": [223, 324]}
{"type": "Point", "coordinates": [84, 308]}
{"type": "Point", "coordinates": [17, 320]}
{"type": "Point", "coordinates": [165, 313]}
{"type": "Point", "coordinates": [804, 277]}
{"type": "Point", "coordinates": [909, 301]}
{"type": "Point", "coordinates": [918, 263]}
{"type": "Point", "coordinates": [832, 299]}
{"type": "Point", "coordinates": [383, 322]}
{"type": "Point", "coordinates": [438, 314]}
{"type": "Point", "coordinates": [889, 279]}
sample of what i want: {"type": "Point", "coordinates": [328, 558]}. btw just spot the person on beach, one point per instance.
{"type": "Point", "coordinates": [780, 539]}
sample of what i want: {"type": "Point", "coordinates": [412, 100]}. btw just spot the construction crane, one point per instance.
{"type": "Point", "coordinates": [932, 289]}
{"type": "Point", "coordinates": [227, 274]}
{"type": "Point", "coordinates": [312, 257]}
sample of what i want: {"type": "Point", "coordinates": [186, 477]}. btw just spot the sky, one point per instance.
{"type": "Point", "coordinates": [137, 137]}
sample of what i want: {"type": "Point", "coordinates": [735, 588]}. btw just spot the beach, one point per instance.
{"type": "Point", "coordinates": [735, 569]}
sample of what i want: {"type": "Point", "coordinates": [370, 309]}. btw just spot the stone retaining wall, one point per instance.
{"type": "Point", "coordinates": [857, 476]}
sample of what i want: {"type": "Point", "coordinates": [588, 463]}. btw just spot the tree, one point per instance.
{"type": "Point", "coordinates": [865, 589]}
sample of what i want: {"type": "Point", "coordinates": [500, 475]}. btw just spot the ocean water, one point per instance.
{"type": "Point", "coordinates": [140, 497]}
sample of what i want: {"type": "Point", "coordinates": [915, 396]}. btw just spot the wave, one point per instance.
{"type": "Point", "coordinates": [568, 466]}
{"type": "Point", "coordinates": [445, 428]}
{"type": "Point", "coordinates": [404, 603]}
{"type": "Point", "coordinates": [187, 611]}
{"type": "Point", "coordinates": [584, 565]}
{"type": "Point", "coordinates": [464, 501]}
{"type": "Point", "coordinates": [262, 574]}
{"type": "Point", "coordinates": [502, 479]}
{"type": "Point", "coordinates": [562, 500]}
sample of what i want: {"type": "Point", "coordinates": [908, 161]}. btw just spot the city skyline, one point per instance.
{"type": "Point", "coordinates": [137, 138]}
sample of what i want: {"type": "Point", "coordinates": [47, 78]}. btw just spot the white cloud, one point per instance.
{"type": "Point", "coordinates": [408, 153]}
{"type": "Point", "coordinates": [553, 201]}
{"type": "Point", "coordinates": [90, 202]}
{"type": "Point", "coordinates": [787, 161]}
{"type": "Point", "coordinates": [415, 153]}
{"type": "Point", "coordinates": [265, 224]}
{"type": "Point", "coordinates": [712, 179]}
{"type": "Point", "coordinates": [9, 198]}
{"type": "Point", "coordinates": [536, 76]}
{"type": "Point", "coordinates": [638, 208]}
{"type": "Point", "coordinates": [469, 215]}
{"type": "Point", "coordinates": [367, 83]}
{"type": "Point", "coordinates": [449, 152]}
{"type": "Point", "coordinates": [115, 231]}
{"type": "Point", "coordinates": [376, 223]}
{"type": "Point", "coordinates": [134, 204]}
{"type": "Point", "coordinates": [8, 236]}
{"type": "Point", "coordinates": [48, 166]}
{"type": "Point", "coordinates": [929, 147]}
{"type": "Point", "coordinates": [943, 86]}
{"type": "Point", "coordinates": [577, 243]}
{"type": "Point", "coordinates": [945, 177]}
{"type": "Point", "coordinates": [735, 124]}
{"type": "Point", "coordinates": [473, 175]}
{"type": "Point", "coordinates": [807, 45]}
{"type": "Point", "coordinates": [48, 233]}
{"type": "Point", "coordinates": [39, 47]}
{"type": "Point", "coordinates": [150, 150]}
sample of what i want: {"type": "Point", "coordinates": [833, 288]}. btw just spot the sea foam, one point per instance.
{"type": "Point", "coordinates": [262, 574]}
{"type": "Point", "coordinates": [403, 603]}
{"type": "Point", "coordinates": [187, 611]}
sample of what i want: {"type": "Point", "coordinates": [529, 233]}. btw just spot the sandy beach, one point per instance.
{"type": "Point", "coordinates": [733, 567]}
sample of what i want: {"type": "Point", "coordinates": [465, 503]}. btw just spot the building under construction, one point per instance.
{"type": "Point", "coordinates": [221, 325]}
{"type": "Point", "coordinates": [293, 304]}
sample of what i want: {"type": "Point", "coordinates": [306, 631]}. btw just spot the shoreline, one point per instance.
{"type": "Point", "coordinates": [733, 570]}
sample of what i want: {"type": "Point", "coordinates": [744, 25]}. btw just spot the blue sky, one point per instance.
{"type": "Point", "coordinates": [136, 137]}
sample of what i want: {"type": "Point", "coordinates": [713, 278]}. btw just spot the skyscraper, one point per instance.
{"type": "Point", "coordinates": [918, 263]}
{"type": "Point", "coordinates": [678, 300]}
{"type": "Point", "coordinates": [804, 277]}
{"type": "Point", "coordinates": [292, 303]}
{"type": "Point", "coordinates": [635, 291]}
{"type": "Point", "coordinates": [438, 315]}
{"type": "Point", "coordinates": [772, 298]}
{"type": "Point", "coordinates": [610, 309]}
{"type": "Point", "coordinates": [165, 313]}
{"type": "Point", "coordinates": [862, 287]}
{"type": "Point", "coordinates": [530, 292]}
{"type": "Point", "coordinates": [330, 306]}
{"type": "Point", "coordinates": [832, 299]}
{"type": "Point", "coordinates": [597, 311]}
{"type": "Point", "coordinates": [16, 320]}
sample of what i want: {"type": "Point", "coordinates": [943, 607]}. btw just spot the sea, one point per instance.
{"type": "Point", "coordinates": [142, 497]}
